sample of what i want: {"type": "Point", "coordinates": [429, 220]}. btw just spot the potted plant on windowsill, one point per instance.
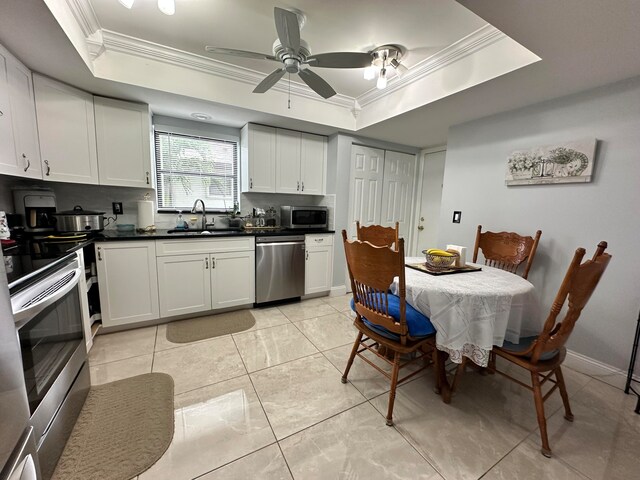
{"type": "Point", "coordinates": [233, 216]}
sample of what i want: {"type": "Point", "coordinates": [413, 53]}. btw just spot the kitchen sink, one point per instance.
{"type": "Point", "coordinates": [215, 231]}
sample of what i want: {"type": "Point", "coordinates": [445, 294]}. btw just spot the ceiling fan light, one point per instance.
{"type": "Point", "coordinates": [400, 69]}
{"type": "Point", "coordinates": [370, 72]}
{"type": "Point", "coordinates": [168, 7]}
{"type": "Point", "coordinates": [382, 79]}
{"type": "Point", "coordinates": [127, 3]}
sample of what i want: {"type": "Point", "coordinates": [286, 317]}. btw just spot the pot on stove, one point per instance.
{"type": "Point", "coordinates": [79, 220]}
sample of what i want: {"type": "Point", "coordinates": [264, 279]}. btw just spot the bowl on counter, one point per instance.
{"type": "Point", "coordinates": [125, 227]}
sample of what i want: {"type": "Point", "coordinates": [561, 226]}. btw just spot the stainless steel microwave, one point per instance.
{"type": "Point", "coordinates": [304, 217]}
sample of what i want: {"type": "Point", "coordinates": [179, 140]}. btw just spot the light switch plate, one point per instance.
{"type": "Point", "coordinates": [457, 215]}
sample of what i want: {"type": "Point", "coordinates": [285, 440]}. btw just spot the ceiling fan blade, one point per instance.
{"type": "Point", "coordinates": [269, 81]}
{"type": "Point", "coordinates": [316, 83]}
{"type": "Point", "coordinates": [288, 29]}
{"type": "Point", "coordinates": [340, 60]}
{"type": "Point", "coordinates": [240, 53]}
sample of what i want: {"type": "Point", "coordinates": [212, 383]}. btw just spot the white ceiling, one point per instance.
{"type": "Point", "coordinates": [582, 43]}
{"type": "Point", "coordinates": [422, 27]}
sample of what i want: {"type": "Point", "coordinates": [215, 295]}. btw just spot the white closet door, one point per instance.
{"type": "Point", "coordinates": [397, 192]}
{"type": "Point", "coordinates": [365, 192]}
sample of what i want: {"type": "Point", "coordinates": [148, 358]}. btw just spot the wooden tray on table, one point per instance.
{"type": "Point", "coordinates": [423, 267]}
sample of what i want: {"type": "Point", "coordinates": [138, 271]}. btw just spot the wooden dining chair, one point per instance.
{"type": "Point", "coordinates": [379, 235]}
{"type": "Point", "coordinates": [383, 319]}
{"type": "Point", "coordinates": [543, 354]}
{"type": "Point", "coordinates": [506, 250]}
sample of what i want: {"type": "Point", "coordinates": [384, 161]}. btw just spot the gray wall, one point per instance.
{"type": "Point", "coordinates": [569, 215]}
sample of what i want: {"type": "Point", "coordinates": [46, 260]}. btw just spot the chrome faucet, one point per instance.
{"type": "Point", "coordinates": [204, 214]}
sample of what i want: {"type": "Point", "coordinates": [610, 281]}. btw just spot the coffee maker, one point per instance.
{"type": "Point", "coordinates": [36, 208]}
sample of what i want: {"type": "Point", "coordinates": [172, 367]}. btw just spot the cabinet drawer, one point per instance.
{"type": "Point", "coordinates": [186, 246]}
{"type": "Point", "coordinates": [318, 239]}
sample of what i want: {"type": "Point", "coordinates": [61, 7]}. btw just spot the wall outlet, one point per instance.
{"type": "Point", "coordinates": [457, 215]}
{"type": "Point", "coordinates": [117, 208]}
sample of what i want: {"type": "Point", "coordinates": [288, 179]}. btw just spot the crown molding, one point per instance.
{"type": "Point", "coordinates": [468, 45]}
{"type": "Point", "coordinates": [85, 16]}
{"type": "Point", "coordinates": [118, 42]}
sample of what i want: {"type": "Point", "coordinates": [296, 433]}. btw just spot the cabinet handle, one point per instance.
{"type": "Point", "coordinates": [28, 162]}
{"type": "Point", "coordinates": [307, 255]}
{"type": "Point", "coordinates": [206, 263]}
{"type": "Point", "coordinates": [213, 263]}
{"type": "Point", "coordinates": [147, 178]}
{"type": "Point", "coordinates": [99, 254]}
{"type": "Point", "coordinates": [46, 162]}
{"type": "Point", "coordinates": [303, 185]}
{"type": "Point", "coordinates": [251, 183]}
{"type": "Point", "coordinates": [1, 113]}
{"type": "Point", "coordinates": [298, 187]}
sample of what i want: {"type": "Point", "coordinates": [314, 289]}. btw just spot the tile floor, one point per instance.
{"type": "Point", "coordinates": [268, 403]}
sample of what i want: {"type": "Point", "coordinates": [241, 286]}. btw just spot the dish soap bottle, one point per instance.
{"type": "Point", "coordinates": [180, 223]}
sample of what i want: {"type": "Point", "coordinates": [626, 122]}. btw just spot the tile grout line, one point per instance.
{"type": "Point", "coordinates": [263, 410]}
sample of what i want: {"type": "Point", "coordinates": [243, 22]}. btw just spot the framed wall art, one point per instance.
{"type": "Point", "coordinates": [569, 162]}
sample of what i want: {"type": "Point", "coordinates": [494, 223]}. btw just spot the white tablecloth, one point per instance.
{"type": "Point", "coordinates": [474, 311]}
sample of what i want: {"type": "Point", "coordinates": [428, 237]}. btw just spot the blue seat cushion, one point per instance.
{"type": "Point", "coordinates": [419, 325]}
{"type": "Point", "coordinates": [524, 344]}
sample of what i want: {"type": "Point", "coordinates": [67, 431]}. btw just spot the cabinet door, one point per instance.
{"type": "Point", "coordinates": [184, 284]}
{"type": "Point", "coordinates": [232, 279]}
{"type": "Point", "coordinates": [8, 162]}
{"type": "Point", "coordinates": [123, 141]}
{"type": "Point", "coordinates": [287, 161]}
{"type": "Point", "coordinates": [128, 282]}
{"type": "Point", "coordinates": [67, 133]}
{"type": "Point", "coordinates": [318, 269]}
{"type": "Point", "coordinates": [261, 158]}
{"type": "Point", "coordinates": [23, 112]}
{"type": "Point", "coordinates": [313, 164]}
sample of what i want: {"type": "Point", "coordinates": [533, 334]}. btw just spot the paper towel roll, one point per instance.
{"type": "Point", "coordinates": [462, 251]}
{"type": "Point", "coordinates": [145, 214]}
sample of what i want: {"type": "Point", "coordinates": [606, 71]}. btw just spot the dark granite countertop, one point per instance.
{"type": "Point", "coordinates": [113, 235]}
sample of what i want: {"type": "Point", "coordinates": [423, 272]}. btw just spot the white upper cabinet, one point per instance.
{"type": "Point", "coordinates": [123, 138]}
{"type": "Point", "coordinates": [8, 162]}
{"type": "Point", "coordinates": [287, 161]}
{"type": "Point", "coordinates": [258, 157]}
{"type": "Point", "coordinates": [18, 130]}
{"type": "Point", "coordinates": [313, 164]}
{"type": "Point", "coordinates": [66, 129]}
{"type": "Point", "coordinates": [283, 161]}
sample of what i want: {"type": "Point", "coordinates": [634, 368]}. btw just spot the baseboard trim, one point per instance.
{"type": "Point", "coordinates": [338, 291]}
{"type": "Point", "coordinates": [601, 371]}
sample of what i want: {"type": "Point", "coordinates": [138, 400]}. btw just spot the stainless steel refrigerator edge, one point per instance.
{"type": "Point", "coordinates": [17, 446]}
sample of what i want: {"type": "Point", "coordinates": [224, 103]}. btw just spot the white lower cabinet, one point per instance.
{"type": "Point", "coordinates": [184, 283]}
{"type": "Point", "coordinates": [205, 274]}
{"type": "Point", "coordinates": [128, 282]}
{"type": "Point", "coordinates": [232, 279]}
{"type": "Point", "coordinates": [319, 263]}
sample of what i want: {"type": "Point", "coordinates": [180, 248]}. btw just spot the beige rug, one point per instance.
{"type": "Point", "coordinates": [123, 429]}
{"type": "Point", "coordinates": [194, 329]}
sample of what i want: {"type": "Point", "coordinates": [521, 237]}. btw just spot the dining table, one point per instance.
{"type": "Point", "coordinates": [472, 310]}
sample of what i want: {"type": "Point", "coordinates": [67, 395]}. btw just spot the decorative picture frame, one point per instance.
{"type": "Point", "coordinates": [569, 162]}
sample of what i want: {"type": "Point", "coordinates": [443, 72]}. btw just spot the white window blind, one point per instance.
{"type": "Point", "coordinates": [190, 167]}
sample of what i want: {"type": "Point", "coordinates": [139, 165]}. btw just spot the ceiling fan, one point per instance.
{"type": "Point", "coordinates": [295, 55]}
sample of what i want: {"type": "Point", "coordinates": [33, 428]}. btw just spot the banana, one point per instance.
{"type": "Point", "coordinates": [437, 251]}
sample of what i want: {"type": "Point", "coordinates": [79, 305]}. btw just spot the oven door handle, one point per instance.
{"type": "Point", "coordinates": [35, 308]}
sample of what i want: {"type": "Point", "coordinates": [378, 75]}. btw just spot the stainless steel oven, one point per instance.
{"type": "Point", "coordinates": [48, 316]}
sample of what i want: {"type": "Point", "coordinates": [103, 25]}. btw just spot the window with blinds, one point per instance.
{"type": "Point", "coordinates": [191, 167]}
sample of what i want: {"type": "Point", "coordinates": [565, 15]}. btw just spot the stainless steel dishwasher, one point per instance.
{"type": "Point", "coordinates": [280, 266]}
